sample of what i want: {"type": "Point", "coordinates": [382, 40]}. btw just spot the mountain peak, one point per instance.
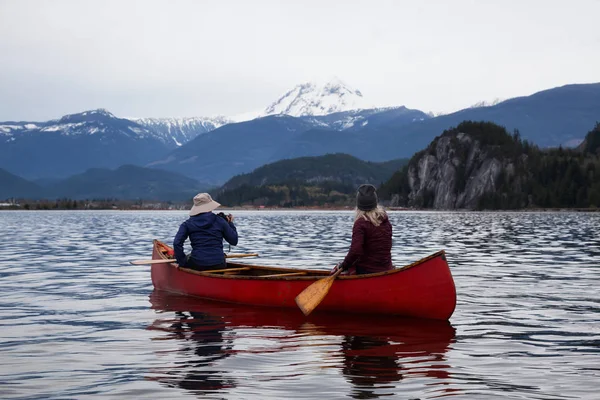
{"type": "Point", "coordinates": [90, 115]}
{"type": "Point", "coordinates": [313, 98]}
{"type": "Point", "coordinates": [99, 111]}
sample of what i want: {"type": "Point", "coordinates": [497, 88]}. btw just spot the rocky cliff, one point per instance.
{"type": "Point", "coordinates": [460, 168]}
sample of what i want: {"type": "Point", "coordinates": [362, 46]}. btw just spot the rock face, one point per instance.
{"type": "Point", "coordinates": [455, 172]}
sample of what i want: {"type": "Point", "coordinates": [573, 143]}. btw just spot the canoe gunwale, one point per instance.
{"type": "Point", "coordinates": [311, 274]}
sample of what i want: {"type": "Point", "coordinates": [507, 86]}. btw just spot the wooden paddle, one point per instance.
{"type": "Point", "coordinates": [142, 262]}
{"type": "Point", "coordinates": [310, 297]}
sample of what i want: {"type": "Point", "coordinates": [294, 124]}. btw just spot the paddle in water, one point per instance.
{"type": "Point", "coordinates": [313, 295]}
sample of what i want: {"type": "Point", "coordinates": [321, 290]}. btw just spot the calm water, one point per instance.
{"type": "Point", "coordinates": [77, 321]}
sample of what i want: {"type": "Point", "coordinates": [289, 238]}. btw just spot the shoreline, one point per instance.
{"type": "Point", "coordinates": [271, 209]}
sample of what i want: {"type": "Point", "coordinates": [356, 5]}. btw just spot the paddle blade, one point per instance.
{"type": "Point", "coordinates": [313, 295]}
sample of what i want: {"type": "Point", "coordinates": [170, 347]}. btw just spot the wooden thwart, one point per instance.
{"type": "Point", "coordinates": [216, 271]}
{"type": "Point", "coordinates": [170, 260]}
{"type": "Point", "coordinates": [286, 274]}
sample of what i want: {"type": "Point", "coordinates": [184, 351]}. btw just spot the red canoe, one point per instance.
{"type": "Point", "coordinates": [424, 289]}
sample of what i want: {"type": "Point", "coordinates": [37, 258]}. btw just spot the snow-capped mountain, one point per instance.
{"type": "Point", "coordinates": [182, 130]}
{"type": "Point", "coordinates": [93, 122]}
{"type": "Point", "coordinates": [173, 132]}
{"type": "Point", "coordinates": [318, 99]}
{"type": "Point", "coordinates": [76, 142]}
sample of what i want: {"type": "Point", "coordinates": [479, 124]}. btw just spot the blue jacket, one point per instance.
{"type": "Point", "coordinates": [206, 232]}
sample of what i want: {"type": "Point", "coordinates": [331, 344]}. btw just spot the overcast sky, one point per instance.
{"type": "Point", "coordinates": [201, 58]}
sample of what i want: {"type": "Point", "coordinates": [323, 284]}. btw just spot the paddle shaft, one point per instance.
{"type": "Point", "coordinates": [143, 262]}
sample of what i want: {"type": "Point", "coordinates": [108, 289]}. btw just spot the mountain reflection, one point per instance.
{"type": "Point", "coordinates": [376, 354]}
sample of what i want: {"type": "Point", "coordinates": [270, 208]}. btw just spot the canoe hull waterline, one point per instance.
{"type": "Point", "coordinates": [424, 289]}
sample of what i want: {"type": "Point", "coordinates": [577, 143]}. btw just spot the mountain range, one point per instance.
{"type": "Point", "coordinates": [555, 117]}
{"type": "Point", "coordinates": [128, 182]}
{"type": "Point", "coordinates": [212, 150]}
{"type": "Point", "coordinates": [74, 143]}
{"type": "Point", "coordinates": [240, 148]}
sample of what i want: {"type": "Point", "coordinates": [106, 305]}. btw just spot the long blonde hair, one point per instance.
{"type": "Point", "coordinates": [374, 216]}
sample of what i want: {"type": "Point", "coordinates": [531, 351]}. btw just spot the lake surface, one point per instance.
{"type": "Point", "coordinates": [77, 321]}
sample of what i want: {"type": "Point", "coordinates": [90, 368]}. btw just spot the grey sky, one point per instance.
{"type": "Point", "coordinates": [201, 58]}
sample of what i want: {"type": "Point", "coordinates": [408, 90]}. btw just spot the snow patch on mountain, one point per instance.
{"type": "Point", "coordinates": [174, 124]}
{"type": "Point", "coordinates": [7, 129]}
{"type": "Point", "coordinates": [99, 111]}
{"type": "Point", "coordinates": [66, 129]}
{"type": "Point", "coordinates": [182, 130]}
{"type": "Point", "coordinates": [485, 103]}
{"type": "Point", "coordinates": [318, 99]}
{"type": "Point", "coordinates": [247, 116]}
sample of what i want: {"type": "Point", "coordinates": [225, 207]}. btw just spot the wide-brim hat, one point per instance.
{"type": "Point", "coordinates": [203, 203]}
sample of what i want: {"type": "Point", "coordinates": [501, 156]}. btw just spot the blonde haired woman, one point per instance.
{"type": "Point", "coordinates": [371, 247]}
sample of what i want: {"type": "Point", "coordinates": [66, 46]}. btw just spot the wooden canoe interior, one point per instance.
{"type": "Point", "coordinates": [246, 270]}
{"type": "Point", "coordinates": [234, 270]}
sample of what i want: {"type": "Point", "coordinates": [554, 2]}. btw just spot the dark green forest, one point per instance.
{"type": "Point", "coordinates": [329, 180]}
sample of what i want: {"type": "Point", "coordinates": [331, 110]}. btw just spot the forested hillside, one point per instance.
{"type": "Point", "coordinates": [306, 181]}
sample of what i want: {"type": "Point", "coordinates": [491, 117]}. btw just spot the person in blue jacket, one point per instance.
{"type": "Point", "coordinates": [206, 231]}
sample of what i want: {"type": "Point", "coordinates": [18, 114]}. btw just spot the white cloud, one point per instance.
{"type": "Point", "coordinates": [178, 58]}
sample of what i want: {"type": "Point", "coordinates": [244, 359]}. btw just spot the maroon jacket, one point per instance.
{"type": "Point", "coordinates": [371, 247]}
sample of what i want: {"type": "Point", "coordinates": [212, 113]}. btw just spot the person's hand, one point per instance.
{"type": "Point", "coordinates": [229, 218]}
{"type": "Point", "coordinates": [337, 266]}
{"type": "Point", "coordinates": [334, 269]}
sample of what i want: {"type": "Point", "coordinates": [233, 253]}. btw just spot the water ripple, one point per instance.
{"type": "Point", "coordinates": [78, 321]}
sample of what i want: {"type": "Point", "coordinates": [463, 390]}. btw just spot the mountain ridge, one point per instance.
{"type": "Point", "coordinates": [127, 182]}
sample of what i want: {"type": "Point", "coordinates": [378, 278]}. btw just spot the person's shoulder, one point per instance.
{"type": "Point", "coordinates": [220, 221]}
{"type": "Point", "coordinates": [361, 222]}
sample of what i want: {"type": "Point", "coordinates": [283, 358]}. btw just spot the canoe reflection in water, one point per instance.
{"type": "Point", "coordinates": [375, 353]}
